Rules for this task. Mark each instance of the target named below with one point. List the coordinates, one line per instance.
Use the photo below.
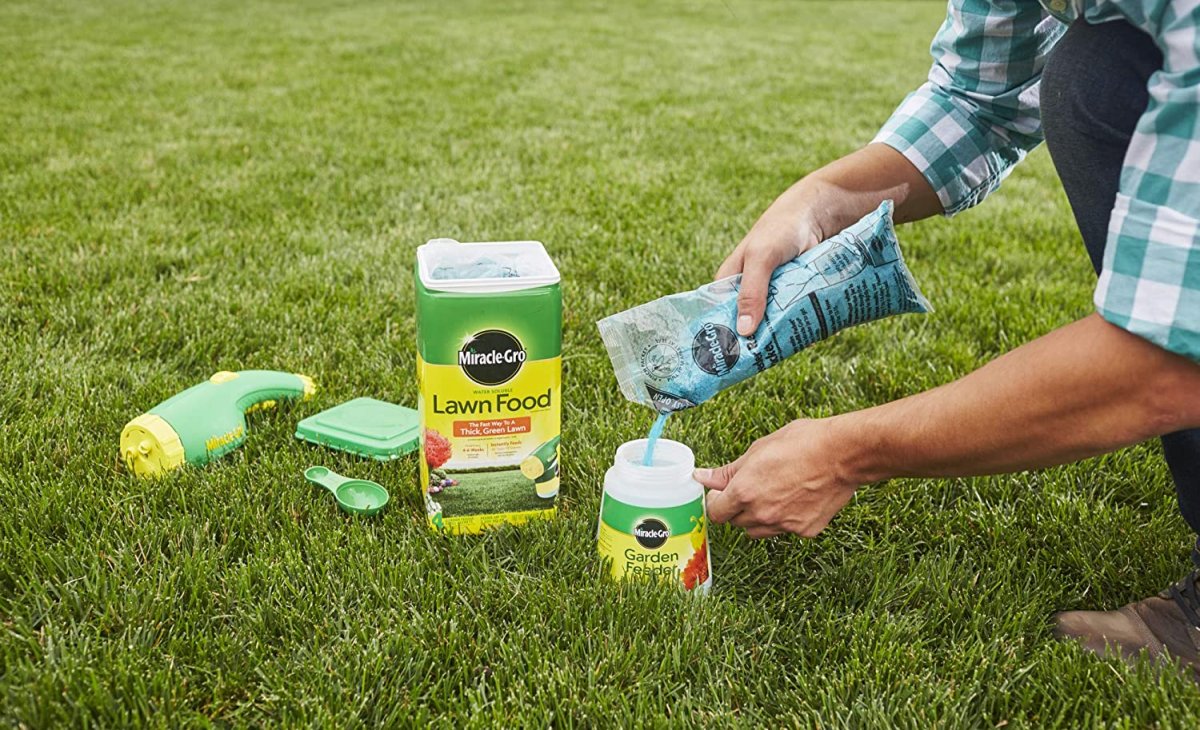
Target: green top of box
(364, 426)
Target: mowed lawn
(488, 492)
(190, 187)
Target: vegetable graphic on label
(698, 532)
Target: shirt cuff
(945, 142)
(1150, 283)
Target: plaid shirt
(977, 116)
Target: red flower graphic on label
(696, 571)
(437, 449)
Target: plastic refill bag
(678, 351)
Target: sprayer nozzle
(149, 446)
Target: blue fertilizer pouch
(678, 351)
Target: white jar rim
(673, 462)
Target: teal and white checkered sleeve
(977, 115)
(1150, 283)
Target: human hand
(784, 231)
(789, 481)
(817, 207)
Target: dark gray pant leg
(1093, 91)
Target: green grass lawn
(490, 492)
(189, 187)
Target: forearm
(1082, 390)
(843, 191)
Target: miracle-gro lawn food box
(489, 372)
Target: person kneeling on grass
(1114, 85)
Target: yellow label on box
(490, 450)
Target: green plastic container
(366, 427)
(489, 372)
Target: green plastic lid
(366, 427)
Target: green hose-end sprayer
(206, 421)
(540, 459)
(542, 467)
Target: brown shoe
(1166, 627)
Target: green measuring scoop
(355, 496)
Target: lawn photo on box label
(489, 492)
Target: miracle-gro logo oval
(651, 533)
(491, 357)
(715, 349)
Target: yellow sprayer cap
(149, 446)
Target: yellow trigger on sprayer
(206, 421)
